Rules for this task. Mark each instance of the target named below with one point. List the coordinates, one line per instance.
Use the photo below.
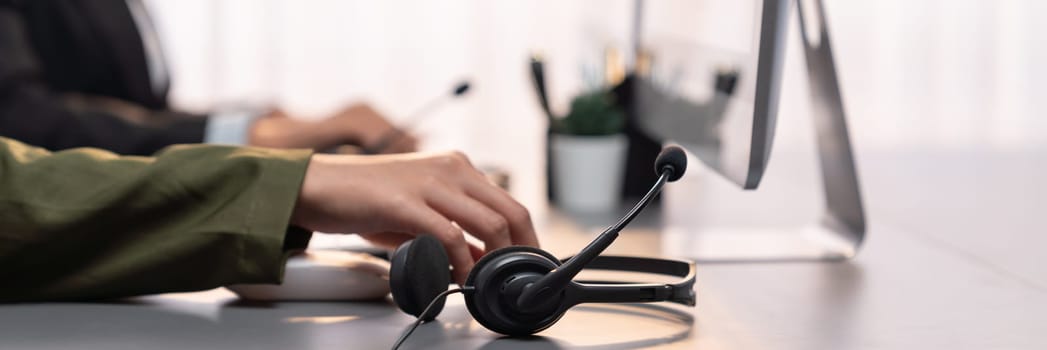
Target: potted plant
(588, 153)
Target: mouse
(324, 275)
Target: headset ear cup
(419, 271)
(486, 259)
(489, 278)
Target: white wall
(944, 73)
(928, 74)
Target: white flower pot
(588, 171)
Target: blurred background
(926, 75)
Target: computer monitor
(731, 128)
(728, 124)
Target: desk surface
(958, 284)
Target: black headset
(522, 290)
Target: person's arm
(86, 224)
(89, 224)
(32, 112)
(358, 125)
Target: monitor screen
(708, 77)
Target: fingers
(476, 251)
(475, 217)
(521, 229)
(429, 221)
(476, 185)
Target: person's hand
(389, 199)
(358, 125)
(372, 132)
(278, 130)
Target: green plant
(592, 114)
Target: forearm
(32, 114)
(86, 224)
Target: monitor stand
(841, 229)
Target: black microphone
(462, 88)
(673, 160)
(427, 109)
(670, 166)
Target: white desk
(955, 260)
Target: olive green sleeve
(88, 224)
